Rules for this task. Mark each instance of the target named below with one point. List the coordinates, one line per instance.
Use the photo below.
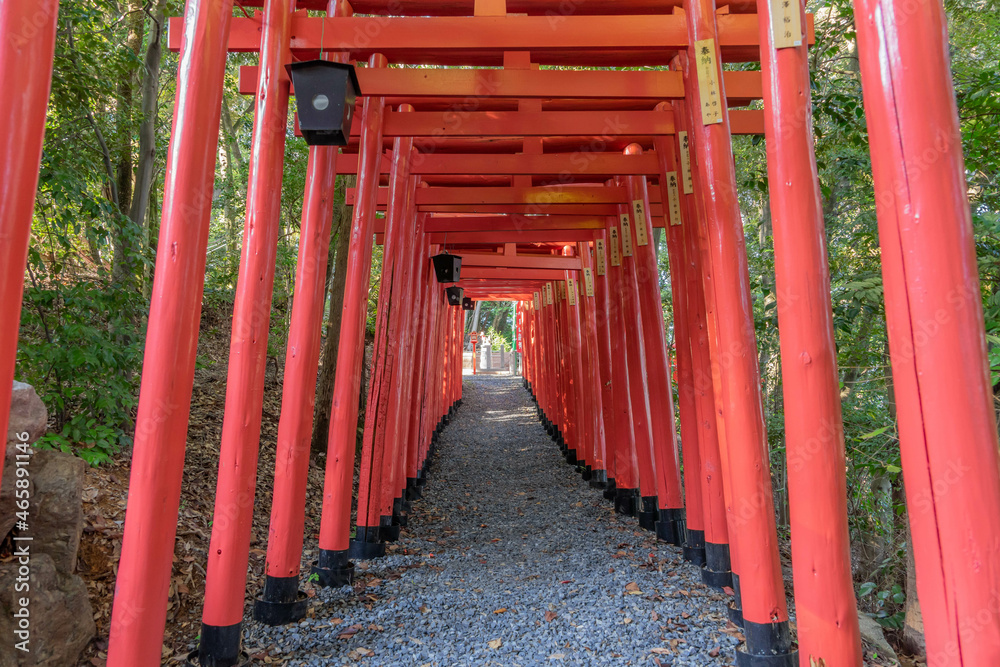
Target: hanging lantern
(325, 93)
(468, 304)
(447, 267)
(454, 295)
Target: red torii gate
(539, 178)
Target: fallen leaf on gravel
(374, 582)
(336, 621)
(661, 651)
(500, 610)
(550, 616)
(364, 651)
(568, 581)
(349, 632)
(728, 591)
(654, 617)
(557, 656)
(685, 615)
(631, 586)
(714, 653)
(627, 620)
(494, 644)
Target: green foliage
(80, 348)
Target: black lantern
(325, 93)
(468, 304)
(454, 295)
(447, 267)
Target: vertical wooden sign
(548, 294)
(537, 301)
(673, 199)
(626, 236)
(616, 258)
(786, 23)
(639, 213)
(688, 183)
(570, 287)
(712, 107)
(588, 281)
(600, 257)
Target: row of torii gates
(550, 184)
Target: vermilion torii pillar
(334, 567)
(374, 522)
(765, 612)
(626, 488)
(229, 548)
(826, 609)
(707, 367)
(592, 378)
(610, 435)
(670, 509)
(280, 601)
(635, 356)
(27, 45)
(140, 607)
(933, 303)
(694, 519)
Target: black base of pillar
(598, 479)
(367, 543)
(413, 491)
(281, 602)
(734, 608)
(587, 474)
(716, 571)
(735, 615)
(333, 569)
(768, 645)
(670, 526)
(648, 513)
(610, 489)
(219, 645)
(694, 547)
(571, 456)
(627, 501)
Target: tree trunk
(147, 126)
(328, 358)
(232, 164)
(913, 625)
(125, 234)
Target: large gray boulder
(27, 414)
(61, 618)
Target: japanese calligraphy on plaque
(570, 287)
(616, 258)
(626, 235)
(712, 106)
(588, 281)
(639, 213)
(673, 199)
(537, 301)
(786, 23)
(548, 294)
(686, 162)
(600, 258)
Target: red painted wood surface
(25, 76)
(335, 525)
(826, 609)
(139, 614)
(763, 593)
(947, 427)
(229, 548)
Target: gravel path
(510, 559)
